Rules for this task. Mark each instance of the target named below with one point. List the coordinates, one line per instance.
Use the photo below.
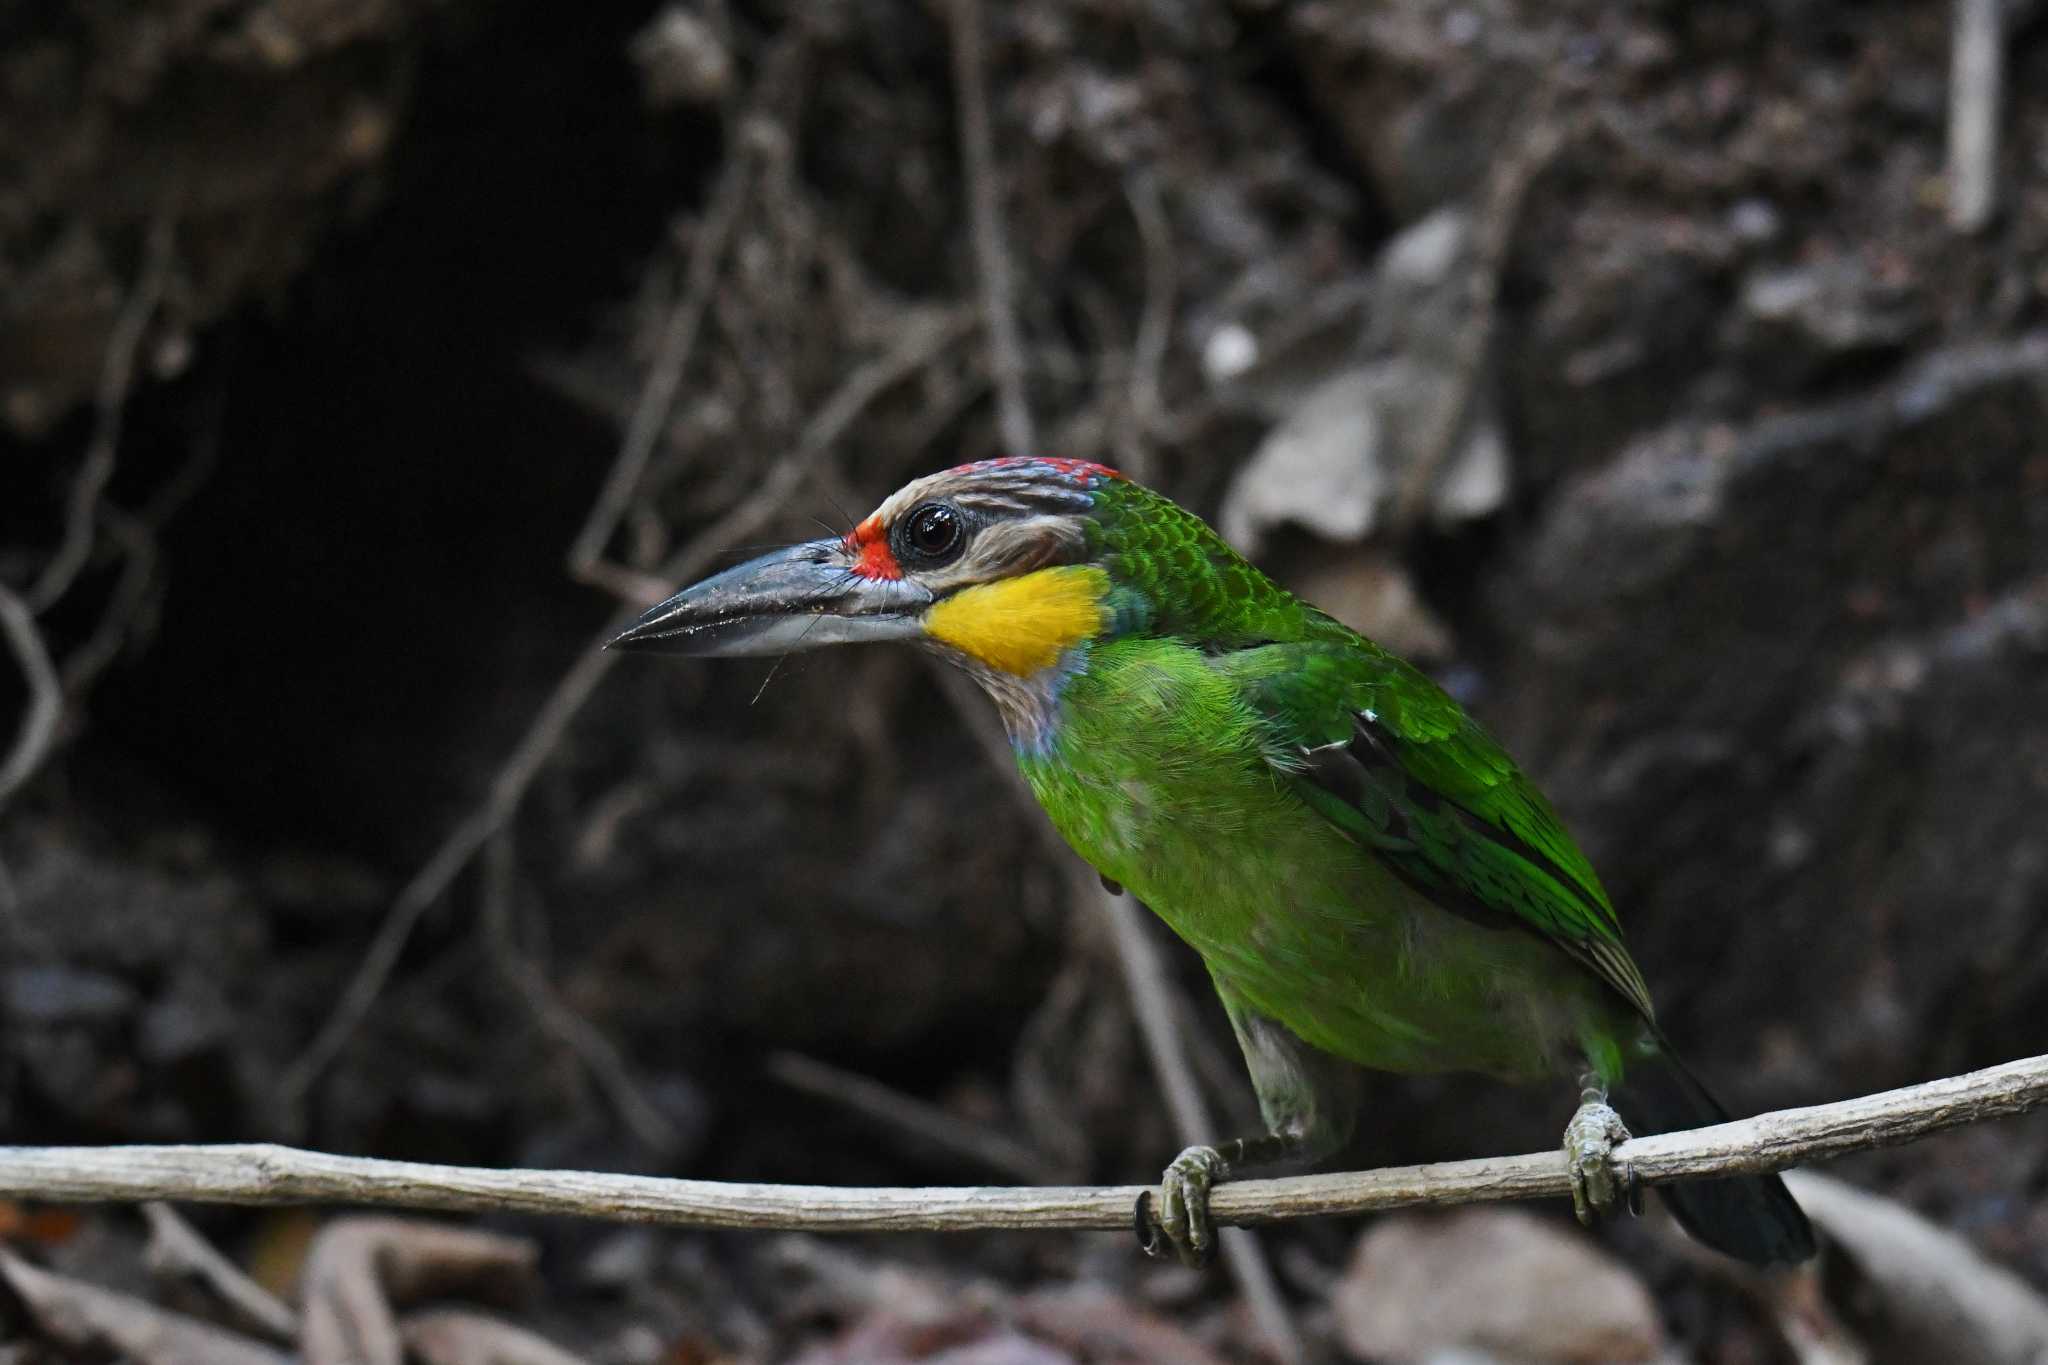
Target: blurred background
(1669, 379)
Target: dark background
(1762, 600)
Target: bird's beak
(804, 597)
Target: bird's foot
(1182, 1211)
(1589, 1143)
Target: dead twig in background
(38, 729)
(908, 1114)
(656, 401)
(1155, 324)
(85, 1317)
(1013, 420)
(1154, 1000)
(137, 543)
(1975, 95)
(588, 1043)
(991, 259)
(664, 378)
(359, 1269)
(457, 1336)
(176, 1251)
(921, 337)
(266, 1174)
(110, 402)
(1500, 210)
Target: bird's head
(1009, 568)
(1000, 564)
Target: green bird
(1367, 876)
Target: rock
(1794, 319)
(1375, 594)
(1501, 1281)
(290, 125)
(1335, 465)
(1355, 412)
(1774, 673)
(1423, 94)
(1924, 1291)
(120, 970)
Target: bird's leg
(1589, 1143)
(1308, 1099)
(1182, 1218)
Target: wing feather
(1388, 757)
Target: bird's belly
(1312, 930)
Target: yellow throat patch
(1020, 625)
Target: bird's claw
(1179, 1218)
(1589, 1143)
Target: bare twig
(457, 1336)
(177, 1251)
(1155, 322)
(1153, 1000)
(45, 694)
(117, 376)
(922, 337)
(1500, 209)
(1976, 75)
(359, 1269)
(87, 1318)
(908, 1114)
(137, 543)
(991, 259)
(265, 1174)
(665, 375)
(597, 1053)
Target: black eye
(931, 534)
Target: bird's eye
(931, 534)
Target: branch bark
(260, 1173)
(1975, 94)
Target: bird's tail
(1750, 1217)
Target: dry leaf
(1496, 1280)
(359, 1268)
(84, 1317)
(455, 1336)
(1936, 1296)
(176, 1252)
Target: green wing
(1387, 756)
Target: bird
(1369, 879)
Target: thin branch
(665, 375)
(137, 544)
(110, 401)
(1155, 322)
(1153, 1003)
(1153, 1000)
(177, 1251)
(45, 694)
(907, 1114)
(600, 1057)
(1976, 72)
(1500, 209)
(922, 337)
(265, 1174)
(991, 259)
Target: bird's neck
(1031, 704)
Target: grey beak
(805, 597)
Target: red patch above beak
(869, 544)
